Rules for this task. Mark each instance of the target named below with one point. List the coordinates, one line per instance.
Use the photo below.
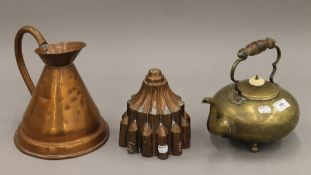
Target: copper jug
(254, 110)
(155, 122)
(61, 120)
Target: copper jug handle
(19, 54)
(252, 49)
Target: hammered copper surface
(61, 120)
(253, 113)
(155, 122)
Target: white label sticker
(281, 105)
(163, 149)
(264, 109)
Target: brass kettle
(61, 120)
(253, 110)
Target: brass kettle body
(61, 120)
(254, 110)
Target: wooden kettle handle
(19, 54)
(257, 47)
(252, 49)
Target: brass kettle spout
(217, 125)
(209, 100)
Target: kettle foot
(254, 147)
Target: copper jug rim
(60, 54)
(60, 47)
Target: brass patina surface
(248, 111)
(61, 120)
(267, 91)
(157, 113)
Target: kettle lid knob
(256, 81)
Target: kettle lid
(257, 88)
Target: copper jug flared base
(62, 150)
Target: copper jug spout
(61, 120)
